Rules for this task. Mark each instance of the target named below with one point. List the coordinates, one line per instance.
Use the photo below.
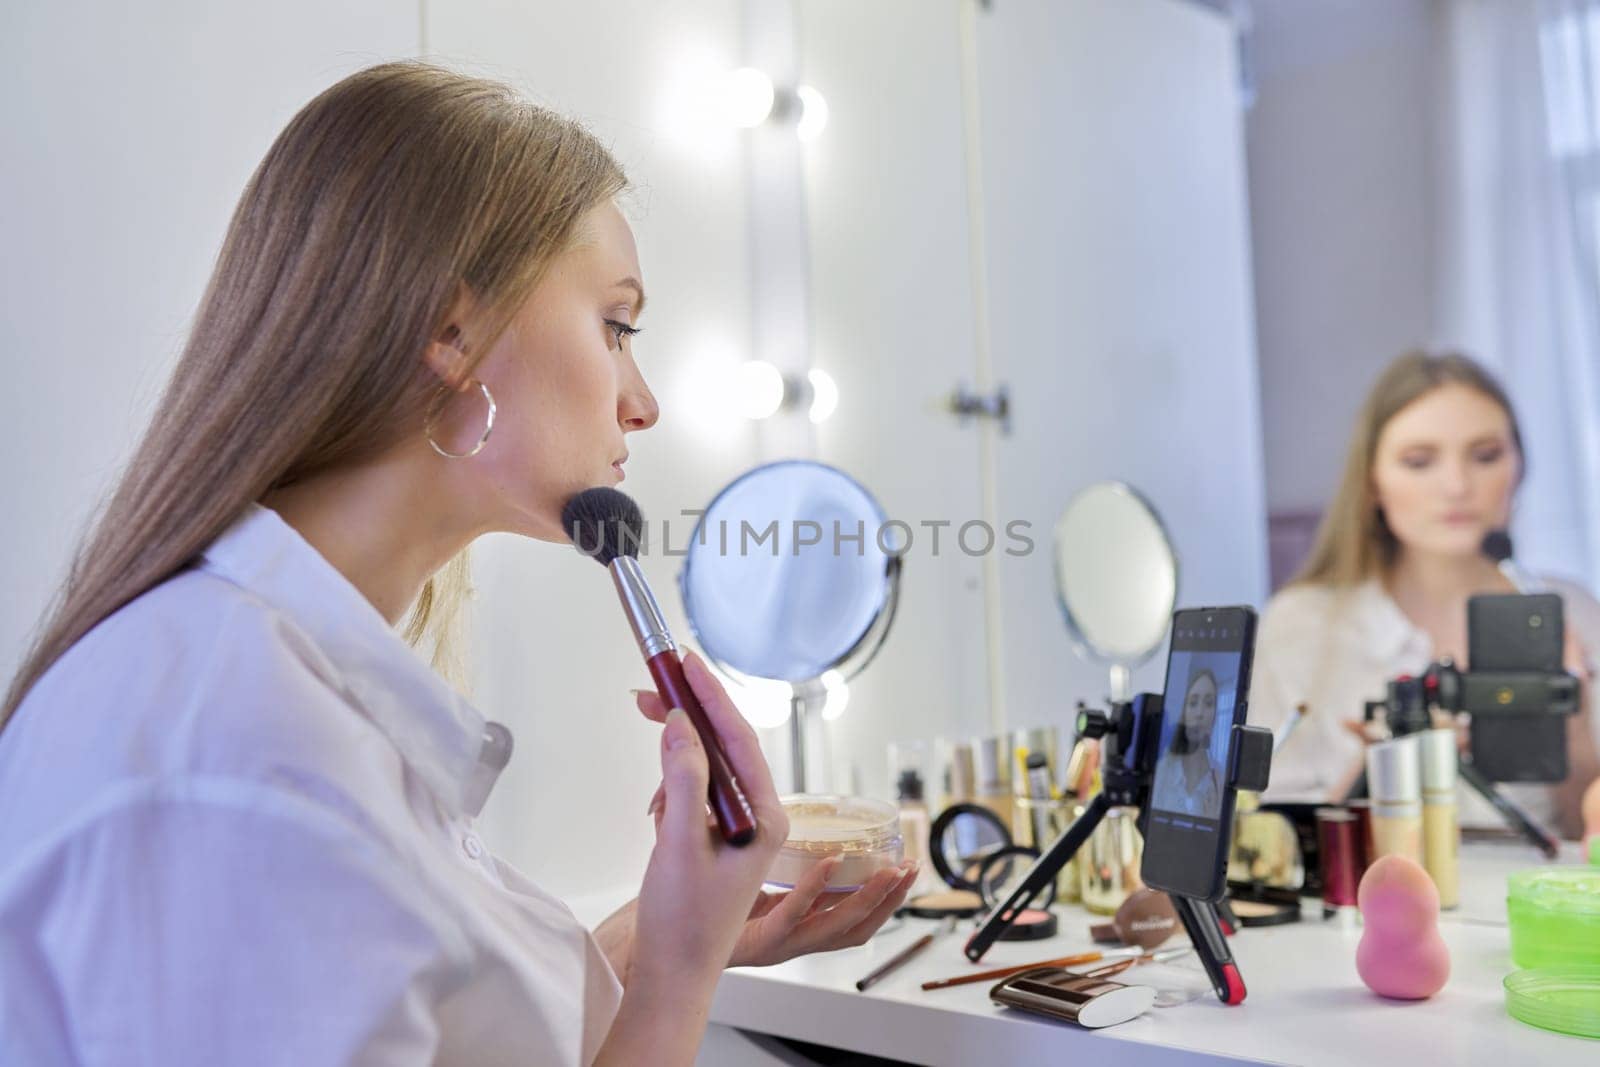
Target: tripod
(1131, 731)
(1406, 712)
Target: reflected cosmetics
(1340, 849)
(1441, 826)
(1394, 780)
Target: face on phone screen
(1190, 802)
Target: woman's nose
(636, 407)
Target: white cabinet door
(1116, 238)
(1112, 262)
(892, 322)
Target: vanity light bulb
(824, 395)
(813, 113)
(766, 704)
(759, 390)
(838, 695)
(748, 97)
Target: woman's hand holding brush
(777, 927)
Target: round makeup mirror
(792, 575)
(962, 838)
(1116, 578)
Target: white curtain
(1517, 246)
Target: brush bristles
(604, 524)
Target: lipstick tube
(728, 803)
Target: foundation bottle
(1394, 782)
(1441, 826)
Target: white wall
(128, 132)
(1340, 164)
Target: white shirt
(1333, 650)
(236, 827)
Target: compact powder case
(997, 879)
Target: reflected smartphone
(1190, 814)
(1521, 633)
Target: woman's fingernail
(679, 731)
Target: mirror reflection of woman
(237, 810)
(1433, 467)
(1189, 783)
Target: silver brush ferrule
(644, 614)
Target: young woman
(1433, 467)
(236, 809)
(1190, 783)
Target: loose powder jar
(865, 834)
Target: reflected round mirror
(1116, 576)
(963, 837)
(787, 576)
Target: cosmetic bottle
(913, 817)
(1394, 780)
(1441, 826)
(993, 755)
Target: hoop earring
(437, 408)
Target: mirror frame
(1080, 640)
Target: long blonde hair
(382, 200)
(1353, 541)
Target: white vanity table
(1305, 1005)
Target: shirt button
(472, 846)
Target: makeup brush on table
(607, 526)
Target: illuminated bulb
(747, 97)
(813, 113)
(838, 695)
(766, 704)
(824, 395)
(759, 390)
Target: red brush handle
(734, 817)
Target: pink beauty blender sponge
(1401, 954)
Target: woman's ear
(447, 358)
(446, 354)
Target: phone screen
(1191, 805)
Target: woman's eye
(1416, 462)
(621, 330)
(1489, 455)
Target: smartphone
(1521, 634)
(1190, 814)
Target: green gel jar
(1554, 914)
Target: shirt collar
(457, 752)
(1389, 633)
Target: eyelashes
(621, 330)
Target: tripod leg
(1200, 919)
(1042, 874)
(1514, 816)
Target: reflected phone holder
(1505, 698)
(1130, 732)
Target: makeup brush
(607, 526)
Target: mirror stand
(805, 707)
(1121, 683)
